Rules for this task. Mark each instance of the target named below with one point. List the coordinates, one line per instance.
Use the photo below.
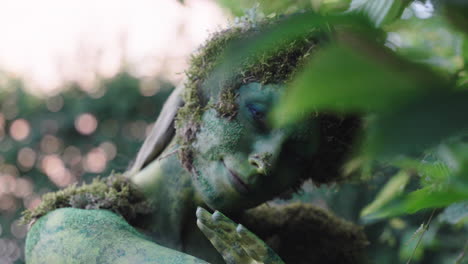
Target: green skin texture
(243, 147)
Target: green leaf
(356, 76)
(286, 30)
(422, 123)
(455, 11)
(428, 198)
(233, 6)
(454, 214)
(431, 172)
(421, 199)
(331, 6)
(380, 11)
(392, 189)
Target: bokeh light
(54, 104)
(2, 126)
(20, 129)
(138, 130)
(95, 160)
(7, 184)
(32, 201)
(110, 149)
(50, 144)
(55, 169)
(23, 188)
(18, 230)
(10, 251)
(59, 121)
(72, 155)
(86, 123)
(26, 158)
(8, 203)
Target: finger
(256, 248)
(218, 243)
(223, 222)
(203, 215)
(232, 253)
(216, 221)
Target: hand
(234, 242)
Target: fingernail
(240, 229)
(216, 216)
(202, 213)
(199, 212)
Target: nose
(261, 162)
(265, 152)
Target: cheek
(218, 136)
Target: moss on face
(114, 193)
(275, 67)
(227, 106)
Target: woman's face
(241, 162)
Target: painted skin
(238, 164)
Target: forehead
(258, 91)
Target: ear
(162, 132)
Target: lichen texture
(114, 193)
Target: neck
(169, 187)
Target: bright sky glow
(49, 41)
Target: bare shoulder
(70, 235)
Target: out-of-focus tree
(71, 137)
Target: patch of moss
(272, 67)
(227, 106)
(114, 193)
(302, 233)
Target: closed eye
(258, 114)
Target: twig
(420, 238)
(462, 254)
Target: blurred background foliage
(71, 137)
(399, 64)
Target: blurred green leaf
(342, 79)
(431, 41)
(422, 123)
(431, 172)
(421, 199)
(285, 30)
(392, 189)
(455, 213)
(429, 198)
(456, 11)
(233, 6)
(238, 7)
(380, 11)
(331, 6)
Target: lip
(236, 181)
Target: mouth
(236, 181)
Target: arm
(71, 235)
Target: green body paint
(71, 235)
(229, 159)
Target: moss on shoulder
(114, 193)
(302, 233)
